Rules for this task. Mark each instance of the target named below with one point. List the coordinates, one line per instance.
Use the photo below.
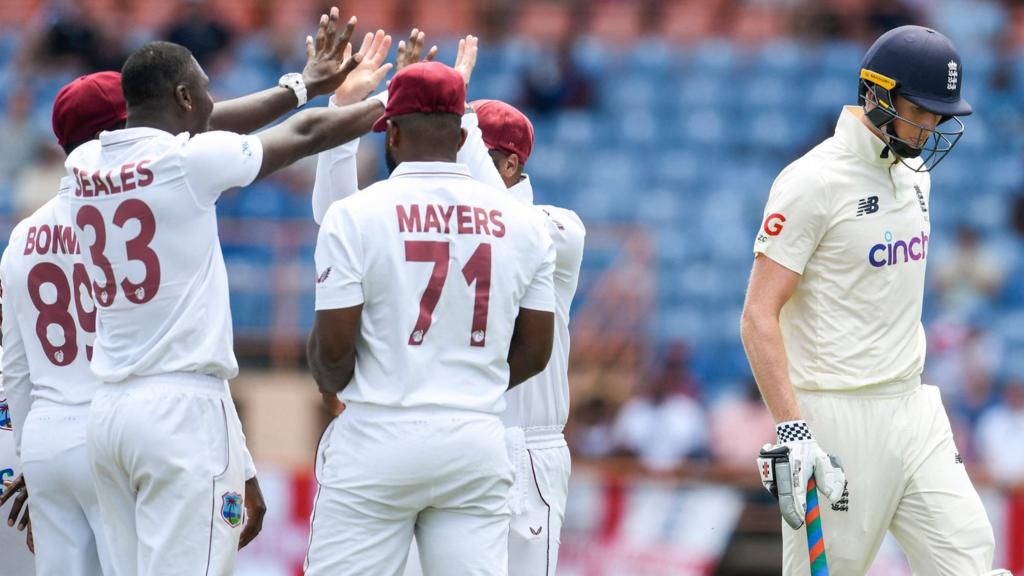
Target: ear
(183, 96)
(512, 164)
(393, 134)
(462, 140)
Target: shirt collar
(859, 139)
(431, 169)
(522, 190)
(126, 134)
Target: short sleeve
(217, 161)
(339, 260)
(475, 156)
(796, 218)
(540, 293)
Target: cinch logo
(773, 224)
(892, 253)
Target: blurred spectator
(590, 429)
(740, 425)
(884, 15)
(40, 181)
(662, 426)
(553, 82)
(198, 30)
(20, 138)
(969, 276)
(71, 39)
(1001, 435)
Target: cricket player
(538, 409)
(434, 296)
(832, 326)
(499, 140)
(50, 341)
(172, 472)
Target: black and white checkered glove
(786, 467)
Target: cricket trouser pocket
(66, 524)
(169, 458)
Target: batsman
(832, 327)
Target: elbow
(537, 361)
(752, 323)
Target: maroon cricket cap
(424, 87)
(504, 128)
(88, 105)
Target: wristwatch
(293, 81)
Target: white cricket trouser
(540, 494)
(904, 474)
(15, 559)
(386, 473)
(66, 525)
(169, 455)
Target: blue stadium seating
(683, 142)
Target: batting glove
(786, 467)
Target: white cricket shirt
(49, 319)
(855, 226)
(441, 264)
(542, 402)
(142, 201)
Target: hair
(152, 72)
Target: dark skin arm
(530, 350)
(312, 131)
(255, 509)
(323, 73)
(331, 350)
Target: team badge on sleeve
(231, 508)
(772, 226)
(5, 415)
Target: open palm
(370, 72)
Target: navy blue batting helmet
(922, 66)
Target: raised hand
(328, 57)
(370, 72)
(411, 51)
(465, 59)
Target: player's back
(48, 293)
(543, 401)
(441, 264)
(143, 203)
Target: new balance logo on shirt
(867, 205)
